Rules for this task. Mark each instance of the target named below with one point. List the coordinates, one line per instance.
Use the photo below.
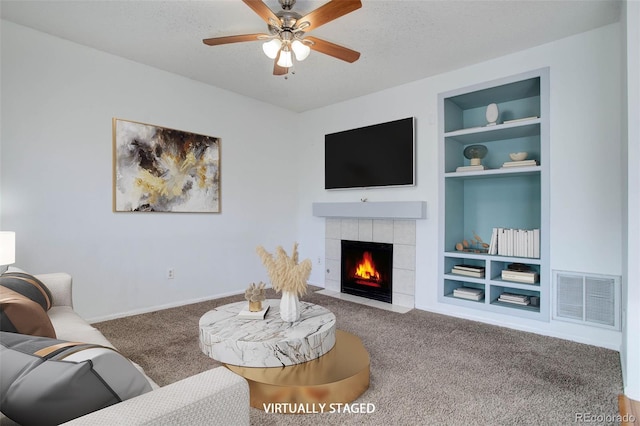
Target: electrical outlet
(319, 261)
(171, 273)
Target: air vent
(586, 298)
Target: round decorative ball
(492, 113)
(518, 156)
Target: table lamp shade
(7, 247)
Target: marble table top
(270, 342)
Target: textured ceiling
(400, 41)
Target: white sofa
(214, 397)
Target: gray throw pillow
(47, 381)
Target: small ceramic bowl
(518, 156)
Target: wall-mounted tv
(372, 156)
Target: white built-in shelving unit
(478, 201)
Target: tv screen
(372, 156)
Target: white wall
(58, 99)
(630, 353)
(586, 189)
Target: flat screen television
(372, 156)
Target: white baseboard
(160, 307)
(520, 327)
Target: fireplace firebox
(367, 269)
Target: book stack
(522, 163)
(247, 314)
(528, 277)
(515, 242)
(471, 168)
(515, 299)
(468, 293)
(468, 270)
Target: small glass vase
(289, 307)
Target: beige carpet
(425, 368)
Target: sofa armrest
(216, 396)
(60, 286)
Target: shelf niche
(473, 203)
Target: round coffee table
(339, 377)
(270, 342)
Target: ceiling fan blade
(262, 10)
(333, 49)
(277, 69)
(329, 11)
(231, 39)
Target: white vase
(289, 307)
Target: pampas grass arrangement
(285, 272)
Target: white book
(512, 242)
(470, 168)
(511, 299)
(536, 243)
(520, 278)
(533, 117)
(247, 314)
(468, 290)
(519, 273)
(502, 242)
(493, 246)
(505, 249)
(522, 163)
(515, 302)
(476, 274)
(471, 268)
(468, 296)
(468, 293)
(513, 296)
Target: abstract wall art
(156, 169)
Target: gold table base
(339, 376)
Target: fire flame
(366, 268)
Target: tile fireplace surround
(380, 222)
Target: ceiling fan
(287, 32)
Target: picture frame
(158, 169)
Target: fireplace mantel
(373, 210)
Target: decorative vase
(289, 307)
(475, 154)
(255, 306)
(492, 114)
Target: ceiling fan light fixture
(300, 49)
(272, 47)
(287, 29)
(285, 59)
